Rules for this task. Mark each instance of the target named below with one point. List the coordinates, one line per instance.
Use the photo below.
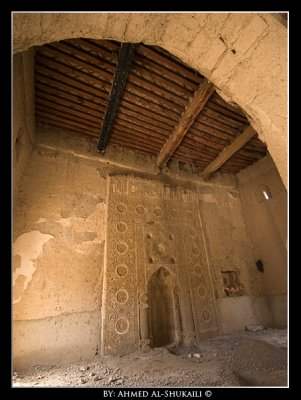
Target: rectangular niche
(232, 285)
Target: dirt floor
(241, 359)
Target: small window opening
(259, 265)
(262, 193)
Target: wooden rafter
(126, 55)
(196, 104)
(74, 83)
(228, 151)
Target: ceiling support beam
(228, 151)
(126, 56)
(197, 102)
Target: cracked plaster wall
(243, 54)
(59, 230)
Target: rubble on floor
(246, 358)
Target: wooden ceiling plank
(68, 99)
(205, 155)
(159, 85)
(170, 77)
(208, 112)
(167, 62)
(225, 111)
(59, 106)
(131, 136)
(152, 122)
(138, 129)
(55, 48)
(195, 155)
(63, 114)
(196, 104)
(76, 91)
(66, 127)
(97, 60)
(73, 72)
(52, 73)
(239, 142)
(153, 87)
(49, 115)
(163, 134)
(107, 44)
(164, 121)
(157, 108)
(219, 100)
(100, 69)
(207, 129)
(100, 51)
(149, 89)
(148, 92)
(216, 143)
(126, 56)
(209, 147)
(70, 102)
(199, 163)
(132, 146)
(256, 142)
(218, 126)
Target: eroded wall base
(235, 313)
(56, 340)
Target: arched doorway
(163, 318)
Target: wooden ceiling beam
(219, 144)
(194, 107)
(228, 151)
(126, 56)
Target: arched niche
(164, 314)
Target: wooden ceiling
(148, 101)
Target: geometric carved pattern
(153, 227)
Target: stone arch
(164, 311)
(243, 54)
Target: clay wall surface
(267, 224)
(23, 132)
(70, 242)
(59, 231)
(243, 54)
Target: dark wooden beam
(197, 102)
(126, 56)
(228, 151)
